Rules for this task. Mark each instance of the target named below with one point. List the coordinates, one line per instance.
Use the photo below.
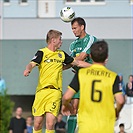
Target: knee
(50, 125)
(37, 126)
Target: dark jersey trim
(38, 57)
(116, 85)
(68, 59)
(75, 83)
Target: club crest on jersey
(60, 55)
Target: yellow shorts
(47, 100)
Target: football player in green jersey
(80, 50)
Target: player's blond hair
(52, 34)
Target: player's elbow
(65, 98)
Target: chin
(77, 35)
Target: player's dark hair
(80, 21)
(52, 34)
(121, 125)
(99, 51)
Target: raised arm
(81, 56)
(81, 63)
(70, 61)
(67, 66)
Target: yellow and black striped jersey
(50, 66)
(97, 86)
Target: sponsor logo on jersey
(53, 60)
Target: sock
(72, 123)
(49, 131)
(38, 131)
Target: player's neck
(51, 47)
(82, 35)
(102, 64)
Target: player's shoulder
(43, 49)
(74, 42)
(60, 50)
(113, 73)
(88, 36)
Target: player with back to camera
(99, 88)
(80, 49)
(48, 95)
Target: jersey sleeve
(86, 49)
(71, 49)
(74, 83)
(68, 59)
(38, 57)
(116, 85)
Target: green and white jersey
(82, 45)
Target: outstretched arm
(81, 56)
(67, 66)
(74, 62)
(28, 69)
(77, 63)
(81, 63)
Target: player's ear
(105, 62)
(82, 27)
(53, 40)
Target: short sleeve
(86, 49)
(116, 85)
(68, 59)
(38, 57)
(75, 82)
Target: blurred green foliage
(6, 109)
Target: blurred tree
(6, 108)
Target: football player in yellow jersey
(99, 88)
(48, 96)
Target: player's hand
(75, 103)
(67, 109)
(26, 73)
